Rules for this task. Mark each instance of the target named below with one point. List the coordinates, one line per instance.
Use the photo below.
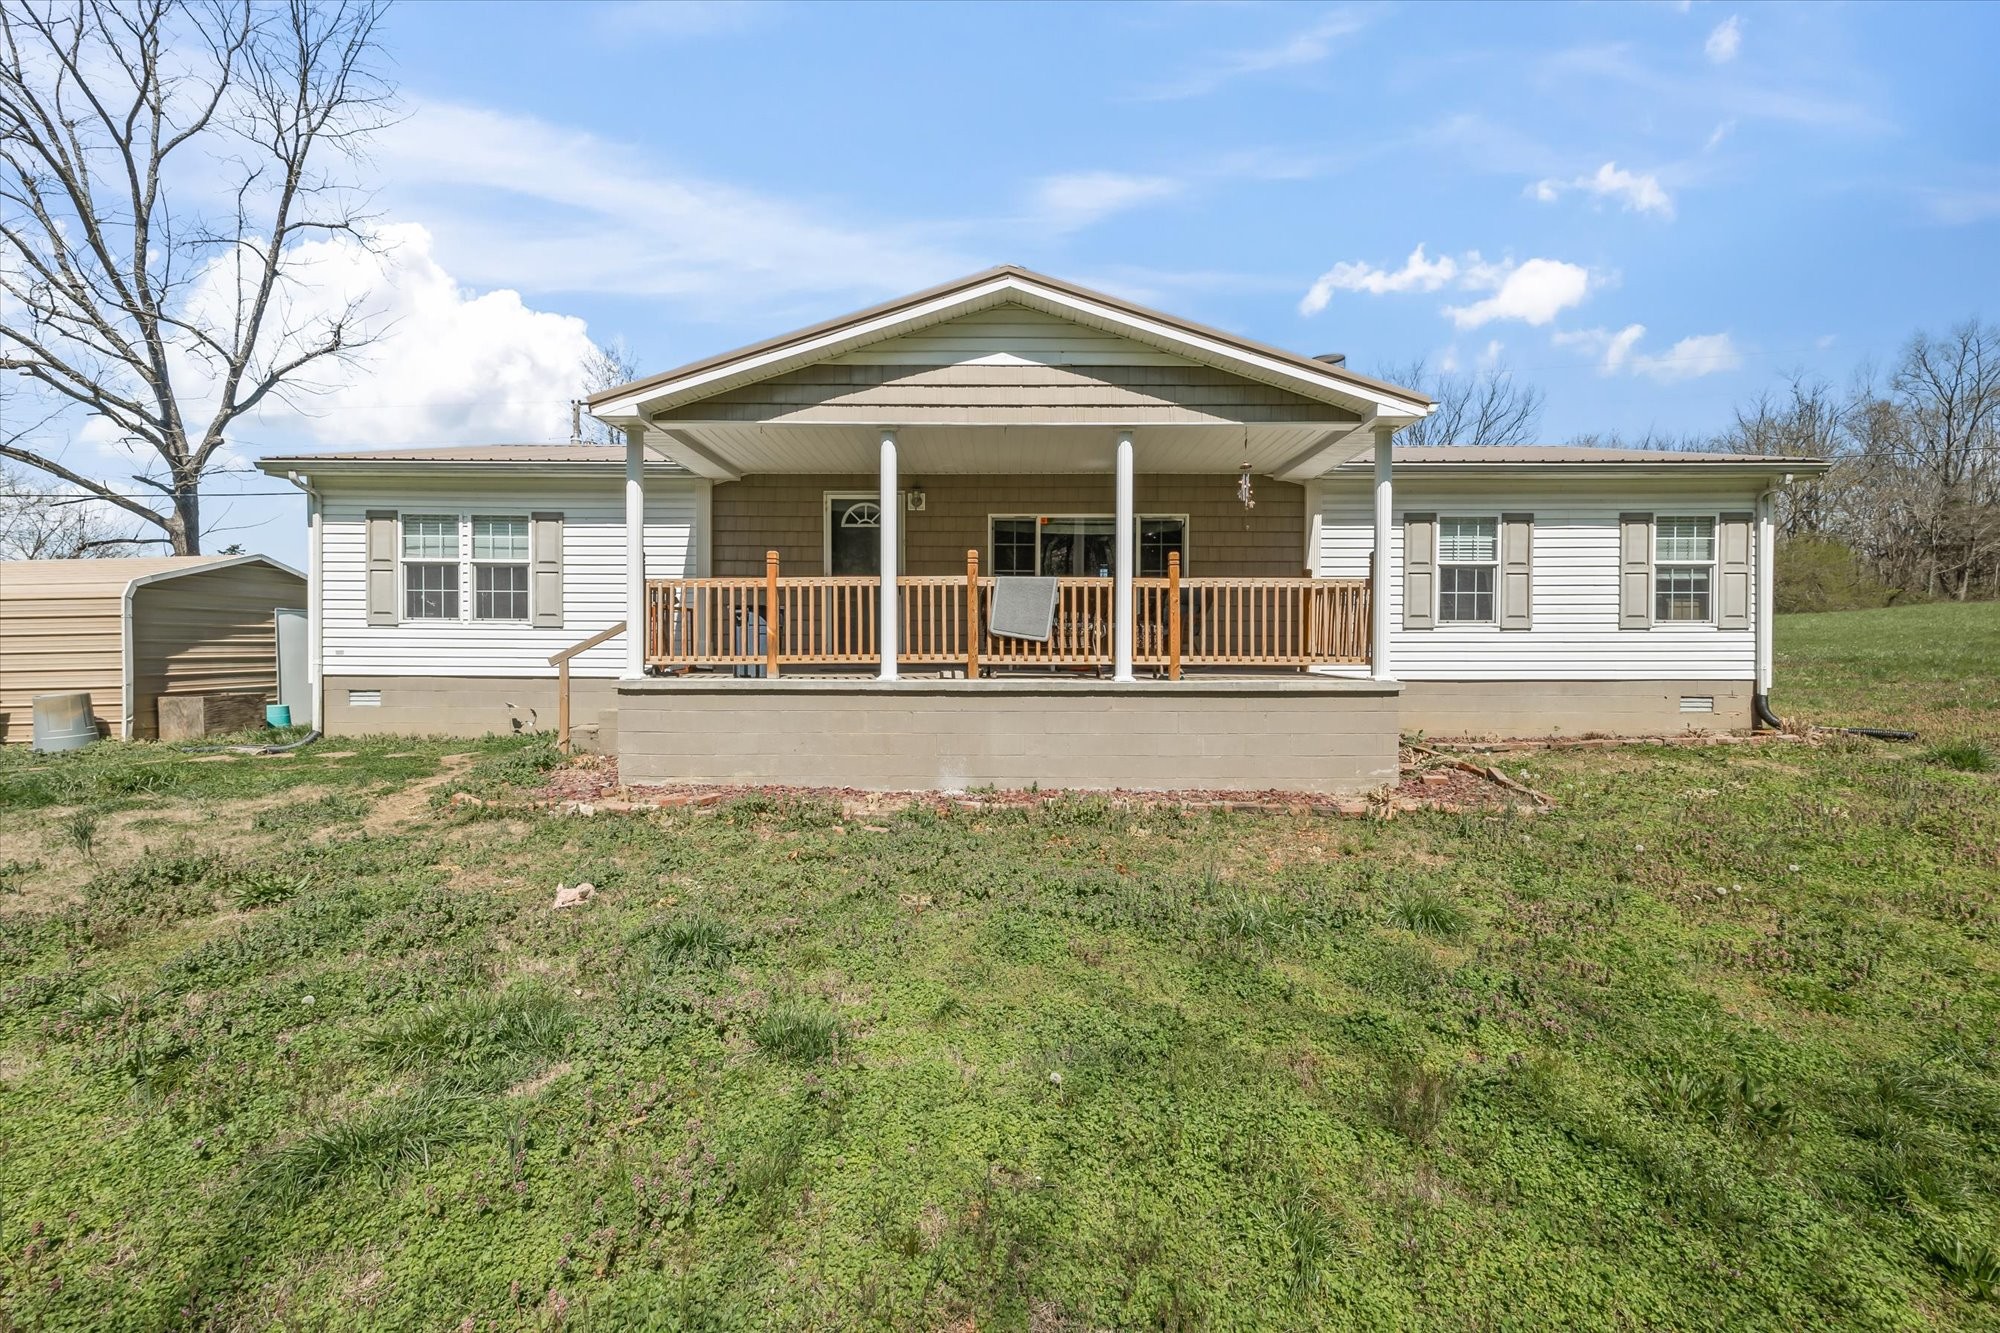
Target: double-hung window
(1468, 565)
(430, 567)
(1683, 568)
(499, 568)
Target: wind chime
(1246, 494)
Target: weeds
(266, 887)
(1967, 755)
(478, 1033)
(79, 830)
(376, 1144)
(797, 1031)
(1973, 1266)
(1309, 1237)
(1416, 1100)
(1427, 913)
(695, 937)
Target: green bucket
(277, 715)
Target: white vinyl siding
(1575, 634)
(593, 563)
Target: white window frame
(467, 567)
(826, 500)
(526, 564)
(1711, 565)
(404, 561)
(1187, 532)
(1437, 595)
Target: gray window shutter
(545, 548)
(1732, 571)
(1517, 559)
(382, 567)
(1635, 571)
(1420, 571)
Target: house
(1254, 587)
(132, 632)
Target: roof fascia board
(436, 467)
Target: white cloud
(1690, 358)
(1725, 41)
(1308, 46)
(449, 364)
(1534, 293)
(1618, 353)
(1489, 356)
(1075, 200)
(1636, 192)
(1417, 274)
(1718, 134)
(509, 196)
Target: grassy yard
(301, 1043)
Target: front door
(853, 535)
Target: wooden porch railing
(833, 621)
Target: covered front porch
(875, 487)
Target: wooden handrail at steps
(560, 661)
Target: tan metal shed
(129, 631)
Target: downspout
(1767, 559)
(315, 540)
(128, 700)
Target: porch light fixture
(913, 499)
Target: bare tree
(1804, 420)
(606, 367)
(160, 165)
(37, 523)
(1490, 407)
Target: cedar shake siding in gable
(785, 513)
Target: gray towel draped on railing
(1023, 608)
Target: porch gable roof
(641, 400)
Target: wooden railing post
(771, 614)
(972, 614)
(1173, 615)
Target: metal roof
(111, 577)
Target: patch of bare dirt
(590, 786)
(403, 805)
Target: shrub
(795, 1030)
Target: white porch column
(1378, 594)
(635, 552)
(886, 617)
(1121, 568)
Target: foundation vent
(373, 699)
(1697, 703)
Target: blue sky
(1652, 211)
